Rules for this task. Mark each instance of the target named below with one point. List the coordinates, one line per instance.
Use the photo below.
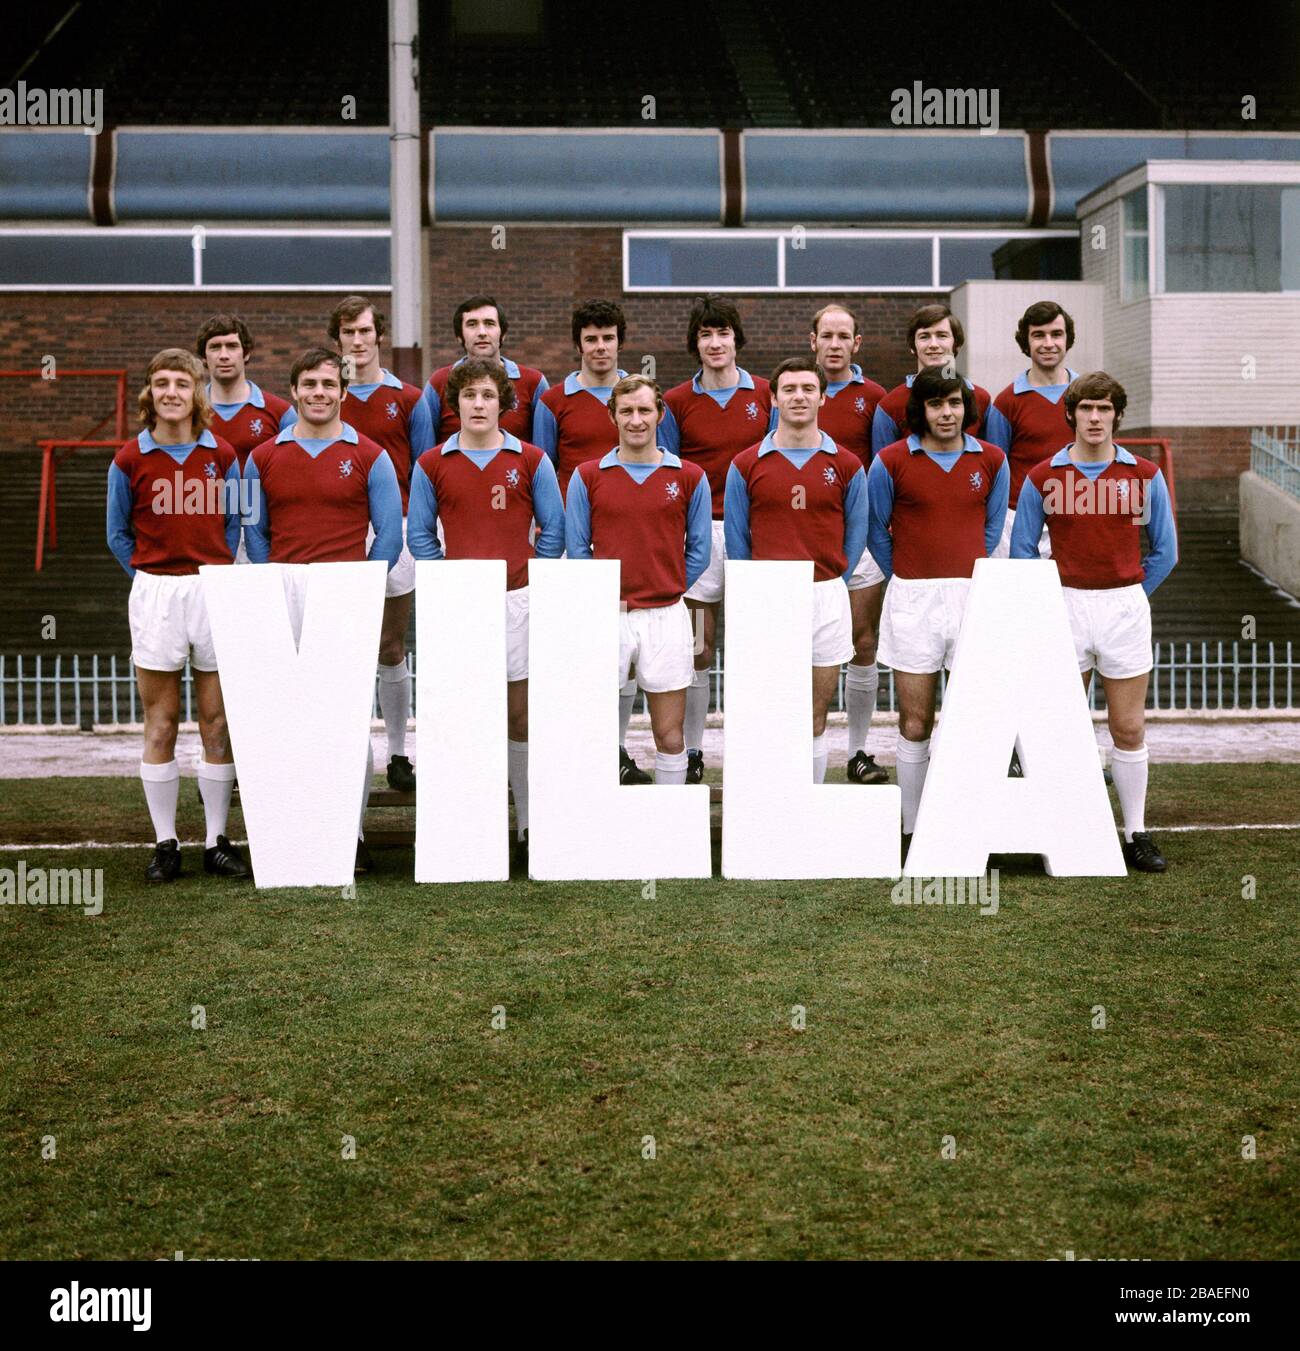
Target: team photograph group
(891, 495)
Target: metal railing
(1275, 456)
(88, 691)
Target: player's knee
(160, 730)
(669, 741)
(392, 651)
(864, 648)
(915, 726)
(1128, 734)
(215, 735)
(517, 726)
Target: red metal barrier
(47, 511)
(1165, 459)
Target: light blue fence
(89, 691)
(1275, 456)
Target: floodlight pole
(404, 189)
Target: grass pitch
(620, 1018)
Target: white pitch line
(194, 844)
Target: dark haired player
(1034, 402)
(572, 425)
(936, 502)
(934, 337)
(323, 492)
(242, 413)
(797, 495)
(176, 461)
(479, 325)
(711, 418)
(648, 508)
(393, 415)
(487, 487)
(1092, 495)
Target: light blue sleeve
(773, 420)
(257, 520)
(855, 520)
(385, 499)
(1162, 534)
(577, 520)
(548, 511)
(422, 517)
(420, 430)
(1030, 516)
(884, 432)
(121, 538)
(542, 386)
(735, 516)
(995, 509)
(288, 417)
(669, 435)
(434, 404)
(880, 507)
(699, 532)
(997, 429)
(232, 507)
(546, 431)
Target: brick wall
(540, 273)
(106, 329)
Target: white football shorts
(660, 643)
(1111, 630)
(169, 622)
(832, 623)
(920, 622)
(708, 585)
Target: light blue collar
(509, 366)
(349, 434)
(670, 461)
(572, 385)
(767, 444)
(147, 443)
(1062, 456)
(969, 443)
(1052, 393)
(452, 444)
(746, 381)
(255, 396)
(907, 380)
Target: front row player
(175, 462)
(797, 495)
(486, 487)
(314, 492)
(936, 501)
(1093, 495)
(642, 505)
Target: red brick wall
(541, 273)
(1204, 452)
(107, 329)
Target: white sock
(395, 704)
(215, 784)
(670, 768)
(517, 773)
(913, 761)
(365, 797)
(626, 698)
(1129, 770)
(162, 786)
(819, 758)
(697, 710)
(860, 686)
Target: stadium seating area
(735, 63)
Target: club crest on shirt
(828, 474)
(512, 477)
(751, 410)
(1121, 489)
(674, 491)
(977, 480)
(345, 469)
(391, 409)
(859, 404)
(210, 469)
(255, 426)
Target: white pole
(404, 188)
